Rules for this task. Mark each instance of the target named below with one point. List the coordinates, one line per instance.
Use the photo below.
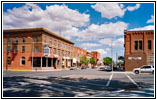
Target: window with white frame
(23, 61)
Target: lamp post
(32, 50)
(112, 55)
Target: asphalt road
(72, 83)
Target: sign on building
(46, 51)
(134, 58)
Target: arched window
(23, 61)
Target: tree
(84, 60)
(121, 58)
(107, 60)
(92, 61)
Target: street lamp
(32, 50)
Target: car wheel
(152, 72)
(136, 72)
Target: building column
(41, 62)
(46, 61)
(52, 62)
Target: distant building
(78, 52)
(139, 48)
(48, 50)
(96, 56)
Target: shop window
(9, 60)
(149, 44)
(136, 45)
(23, 61)
(140, 44)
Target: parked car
(83, 67)
(93, 67)
(101, 67)
(144, 69)
(108, 68)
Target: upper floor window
(136, 45)
(23, 39)
(9, 49)
(62, 45)
(140, 44)
(9, 61)
(15, 49)
(16, 39)
(36, 49)
(23, 48)
(149, 44)
(23, 61)
(9, 39)
(50, 41)
(55, 42)
(37, 39)
(58, 44)
(45, 39)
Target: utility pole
(112, 55)
(7, 54)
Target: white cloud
(101, 51)
(113, 10)
(55, 18)
(151, 20)
(94, 31)
(129, 8)
(118, 43)
(109, 10)
(149, 27)
(90, 45)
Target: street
(77, 83)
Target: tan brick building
(24, 44)
(139, 48)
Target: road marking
(108, 83)
(132, 80)
(104, 93)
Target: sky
(92, 26)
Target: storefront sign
(134, 58)
(46, 51)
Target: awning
(41, 55)
(51, 56)
(37, 55)
(74, 60)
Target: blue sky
(92, 26)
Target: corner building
(21, 47)
(139, 48)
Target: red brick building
(78, 52)
(139, 48)
(21, 45)
(96, 56)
